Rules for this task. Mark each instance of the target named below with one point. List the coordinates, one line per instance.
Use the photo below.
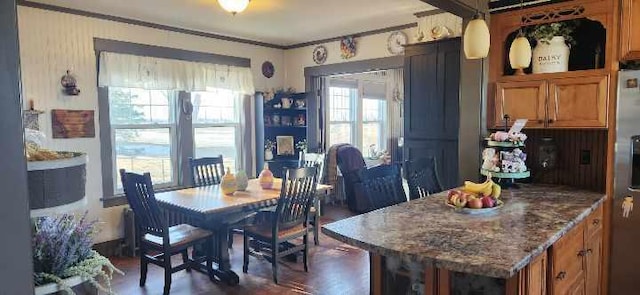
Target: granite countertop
(498, 244)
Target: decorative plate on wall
(348, 47)
(320, 54)
(396, 42)
(267, 69)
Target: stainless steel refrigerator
(625, 247)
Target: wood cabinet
(578, 102)
(431, 104)
(563, 102)
(630, 30)
(576, 259)
(524, 100)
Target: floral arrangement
(514, 137)
(545, 32)
(62, 249)
(301, 145)
(269, 144)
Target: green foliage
(545, 32)
(121, 111)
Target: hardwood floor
(334, 268)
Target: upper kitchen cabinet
(575, 94)
(526, 100)
(578, 102)
(630, 30)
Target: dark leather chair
(289, 221)
(156, 236)
(422, 178)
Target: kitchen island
(544, 240)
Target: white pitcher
(551, 57)
(286, 102)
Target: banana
(484, 188)
(496, 190)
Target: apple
(475, 203)
(452, 193)
(488, 202)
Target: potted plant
(554, 41)
(269, 145)
(63, 256)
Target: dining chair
(156, 236)
(288, 222)
(314, 160)
(209, 171)
(206, 171)
(422, 178)
(383, 186)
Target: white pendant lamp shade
(520, 53)
(476, 39)
(234, 6)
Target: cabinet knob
(596, 221)
(581, 253)
(550, 121)
(561, 275)
(589, 251)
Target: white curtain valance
(133, 71)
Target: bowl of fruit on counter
(476, 198)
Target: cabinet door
(630, 32)
(567, 261)
(578, 102)
(521, 100)
(593, 263)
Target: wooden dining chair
(383, 186)
(155, 235)
(288, 222)
(314, 160)
(422, 178)
(206, 171)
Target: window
(146, 135)
(357, 119)
(143, 132)
(216, 125)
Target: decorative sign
(284, 145)
(73, 124)
(348, 47)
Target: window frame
(357, 113)
(184, 149)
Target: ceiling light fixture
(476, 37)
(234, 6)
(520, 50)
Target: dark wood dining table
(209, 208)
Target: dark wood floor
(334, 268)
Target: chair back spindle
(313, 160)
(422, 178)
(296, 196)
(139, 192)
(206, 171)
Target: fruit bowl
(476, 198)
(471, 211)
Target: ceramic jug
(242, 181)
(551, 56)
(228, 183)
(266, 177)
(286, 102)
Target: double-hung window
(216, 125)
(357, 114)
(143, 133)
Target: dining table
(208, 207)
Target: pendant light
(476, 37)
(234, 6)
(520, 50)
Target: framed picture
(284, 145)
(73, 124)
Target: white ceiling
(281, 22)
